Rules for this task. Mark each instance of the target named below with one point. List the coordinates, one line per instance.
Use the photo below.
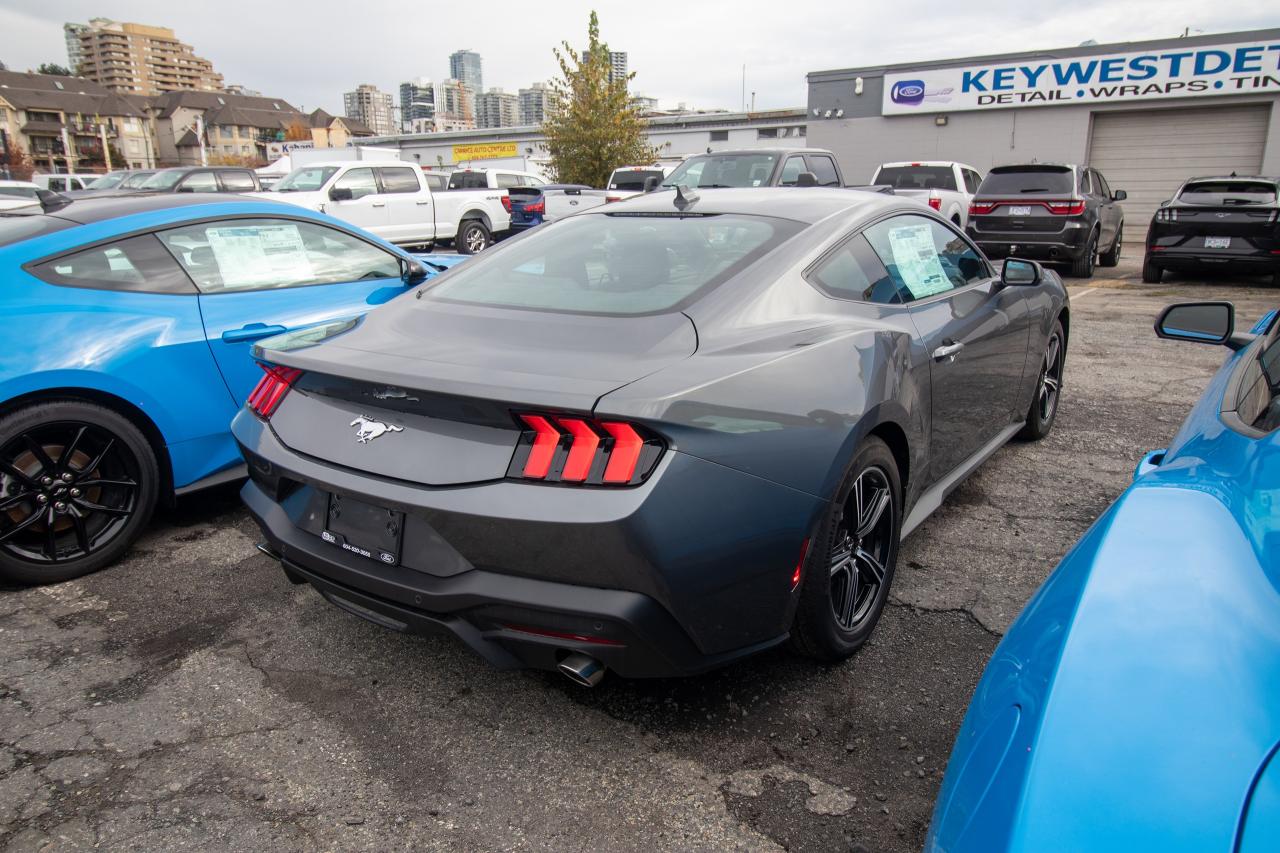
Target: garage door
(1149, 154)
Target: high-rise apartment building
(417, 102)
(456, 101)
(535, 103)
(496, 108)
(74, 54)
(465, 65)
(137, 59)
(372, 107)
(617, 65)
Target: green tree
(54, 68)
(592, 128)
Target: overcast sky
(310, 51)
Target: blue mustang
(1135, 703)
(127, 324)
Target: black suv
(1050, 212)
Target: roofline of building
(1054, 53)
(760, 118)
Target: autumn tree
(592, 127)
(296, 131)
(16, 163)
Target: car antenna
(51, 201)
(684, 200)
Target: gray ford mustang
(654, 437)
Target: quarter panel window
(237, 182)
(507, 181)
(139, 264)
(854, 271)
(359, 181)
(265, 254)
(825, 171)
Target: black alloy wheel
(847, 573)
(1082, 267)
(1111, 258)
(77, 482)
(1048, 390)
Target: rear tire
(1082, 267)
(1151, 273)
(78, 483)
(473, 237)
(849, 567)
(1048, 392)
(1112, 257)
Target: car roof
(748, 151)
(201, 169)
(340, 163)
(98, 207)
(904, 163)
(801, 204)
(1013, 167)
(1263, 178)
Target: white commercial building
(1148, 115)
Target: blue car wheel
(78, 482)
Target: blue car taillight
(583, 451)
(271, 388)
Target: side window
(1086, 181)
(1101, 183)
(238, 182)
(137, 264)
(359, 181)
(399, 180)
(57, 184)
(506, 181)
(924, 257)
(825, 170)
(791, 171)
(199, 182)
(854, 271)
(971, 181)
(263, 254)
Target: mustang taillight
(583, 451)
(271, 388)
(1167, 214)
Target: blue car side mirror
(1202, 323)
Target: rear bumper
(1064, 244)
(656, 580)
(1250, 260)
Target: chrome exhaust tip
(582, 669)
(265, 550)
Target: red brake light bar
(271, 388)
(1063, 207)
(935, 202)
(577, 450)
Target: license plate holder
(1020, 210)
(1217, 242)
(363, 529)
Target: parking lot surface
(191, 698)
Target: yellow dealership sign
(485, 151)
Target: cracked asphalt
(191, 698)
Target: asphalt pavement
(191, 698)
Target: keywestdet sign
(1230, 69)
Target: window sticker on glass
(916, 257)
(260, 255)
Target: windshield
(305, 180)
(1028, 179)
(917, 177)
(20, 192)
(633, 179)
(728, 170)
(1228, 192)
(136, 180)
(107, 181)
(616, 264)
(162, 180)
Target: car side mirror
(651, 183)
(341, 194)
(414, 272)
(1018, 272)
(1198, 322)
(1119, 195)
(806, 179)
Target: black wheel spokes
(66, 490)
(858, 557)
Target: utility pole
(106, 149)
(204, 156)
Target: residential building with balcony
(417, 102)
(496, 108)
(139, 59)
(535, 104)
(233, 128)
(372, 107)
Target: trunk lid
(450, 376)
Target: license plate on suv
(1217, 242)
(363, 529)
(1020, 210)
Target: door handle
(379, 204)
(947, 352)
(251, 332)
(423, 202)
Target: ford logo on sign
(908, 92)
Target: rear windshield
(468, 181)
(917, 177)
(1228, 192)
(14, 228)
(729, 170)
(633, 179)
(616, 264)
(1028, 179)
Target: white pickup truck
(393, 200)
(945, 186)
